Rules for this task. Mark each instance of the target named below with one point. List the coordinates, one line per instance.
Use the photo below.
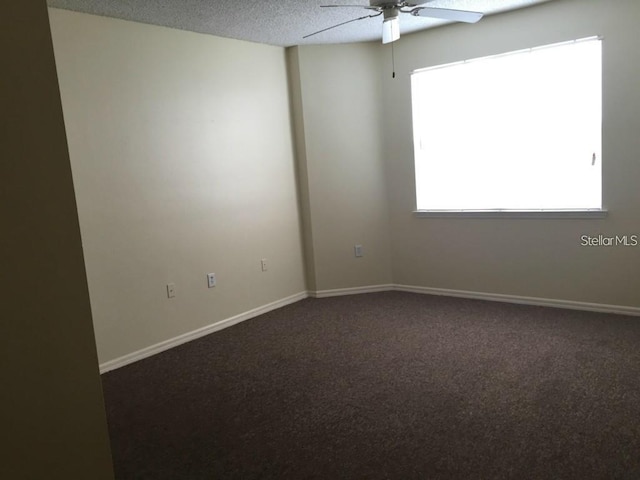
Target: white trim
(542, 302)
(201, 332)
(543, 214)
(339, 292)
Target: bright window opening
(520, 131)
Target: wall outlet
(171, 290)
(357, 250)
(263, 264)
(211, 280)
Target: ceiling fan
(391, 10)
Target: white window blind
(520, 131)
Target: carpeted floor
(387, 386)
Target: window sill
(545, 214)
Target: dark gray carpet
(387, 386)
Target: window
(519, 131)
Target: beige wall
(182, 154)
(183, 163)
(52, 413)
(537, 258)
(338, 94)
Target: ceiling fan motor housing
(389, 9)
(391, 13)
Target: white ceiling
(281, 23)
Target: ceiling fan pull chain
(393, 61)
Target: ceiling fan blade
(350, 6)
(419, 4)
(447, 14)
(343, 23)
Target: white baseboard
(542, 302)
(338, 292)
(201, 332)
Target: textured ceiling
(281, 23)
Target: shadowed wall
(52, 409)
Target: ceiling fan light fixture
(390, 30)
